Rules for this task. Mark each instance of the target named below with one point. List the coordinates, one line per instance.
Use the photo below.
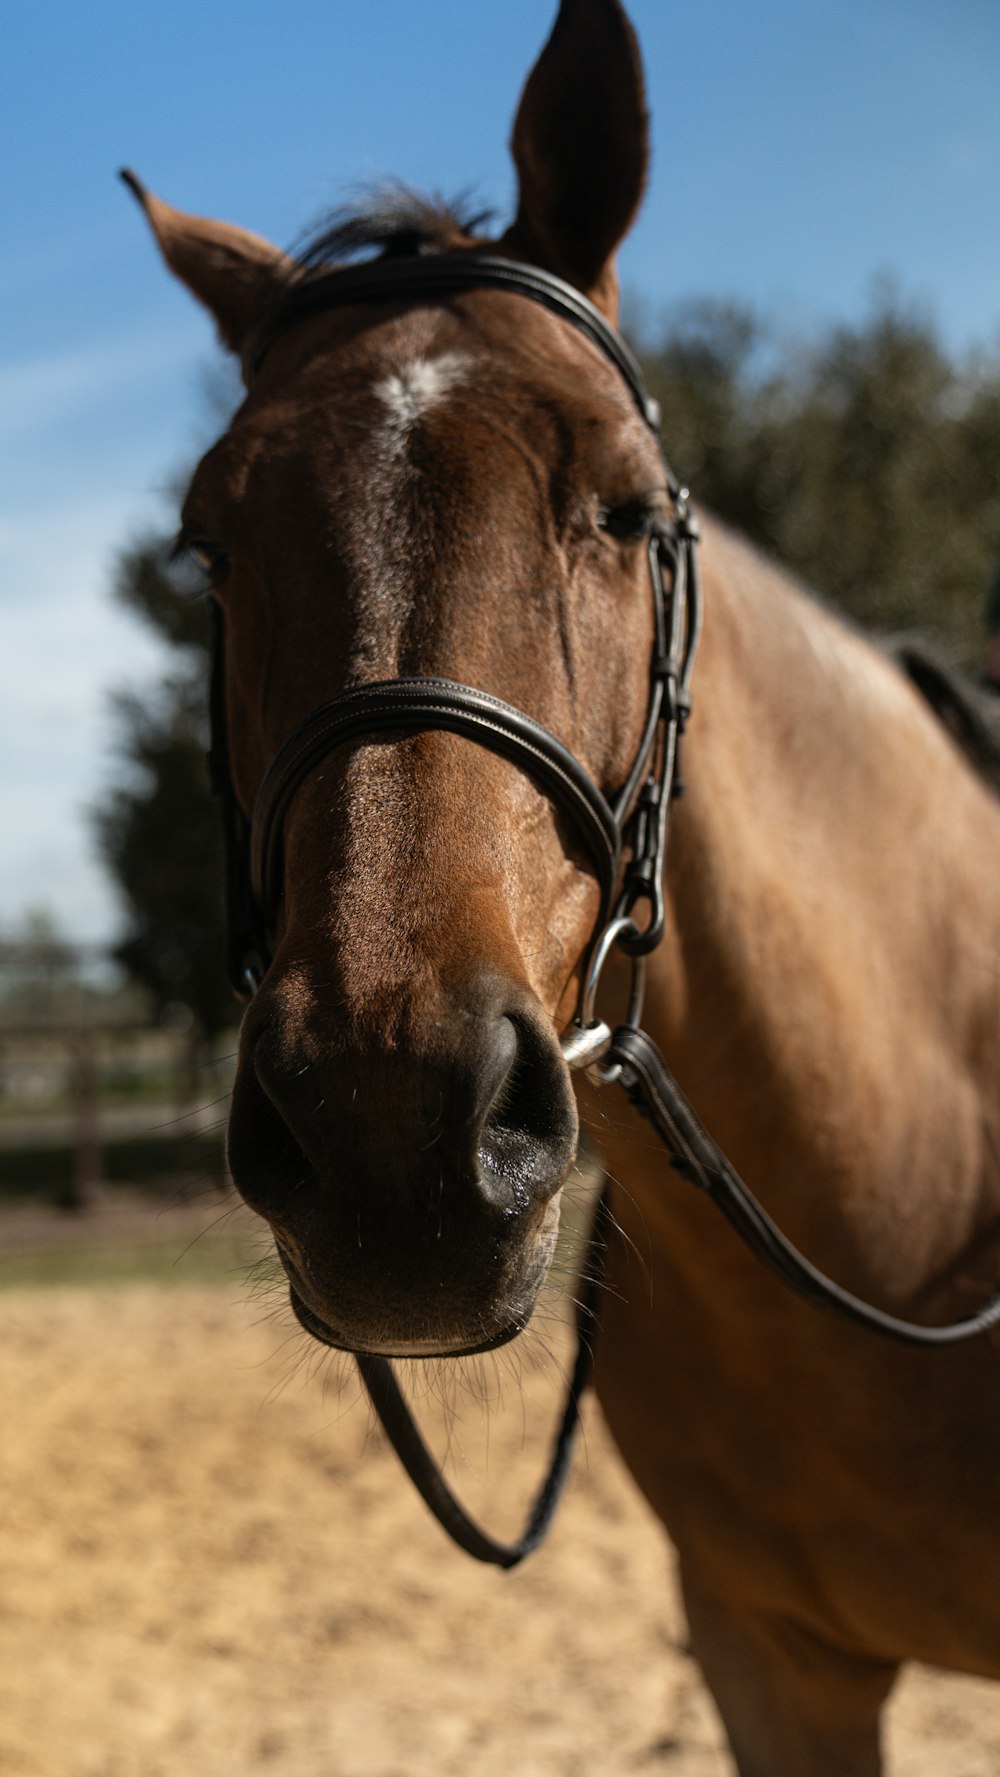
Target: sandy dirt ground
(210, 1568)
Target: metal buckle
(589, 1038)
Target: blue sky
(802, 152)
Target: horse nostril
(276, 1139)
(529, 1137)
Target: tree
(866, 461)
(159, 830)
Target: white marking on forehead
(408, 394)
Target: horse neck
(833, 867)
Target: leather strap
(412, 706)
(400, 1428)
(693, 1154)
(411, 279)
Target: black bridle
(633, 824)
(625, 836)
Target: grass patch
(172, 1264)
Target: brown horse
(460, 485)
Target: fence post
(88, 1171)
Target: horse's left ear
(235, 274)
(581, 148)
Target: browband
(440, 274)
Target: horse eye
(628, 524)
(210, 557)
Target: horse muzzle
(318, 1329)
(413, 1193)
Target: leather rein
(626, 837)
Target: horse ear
(233, 272)
(581, 148)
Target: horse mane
(969, 712)
(393, 219)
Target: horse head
(459, 487)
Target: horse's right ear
(581, 148)
(235, 274)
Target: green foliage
(866, 462)
(168, 1263)
(159, 830)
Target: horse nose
(411, 1184)
(482, 1109)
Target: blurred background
(814, 288)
